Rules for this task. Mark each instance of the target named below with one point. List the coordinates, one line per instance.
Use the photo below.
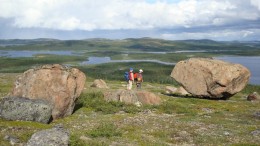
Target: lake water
(252, 63)
(182, 51)
(17, 53)
(99, 60)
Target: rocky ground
(177, 121)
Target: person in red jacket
(131, 79)
(139, 79)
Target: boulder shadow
(77, 107)
(197, 97)
(50, 120)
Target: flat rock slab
(15, 108)
(56, 136)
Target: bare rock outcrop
(16, 108)
(211, 78)
(126, 96)
(99, 83)
(133, 97)
(60, 85)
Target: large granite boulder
(211, 78)
(60, 85)
(15, 108)
(133, 97)
(57, 136)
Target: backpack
(126, 76)
(139, 77)
(135, 76)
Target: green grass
(251, 88)
(105, 130)
(177, 121)
(115, 71)
(21, 129)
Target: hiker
(139, 79)
(130, 79)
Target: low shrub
(76, 141)
(251, 88)
(105, 130)
(179, 106)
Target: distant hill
(130, 44)
(134, 40)
(202, 41)
(13, 42)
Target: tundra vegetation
(177, 120)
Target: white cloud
(126, 14)
(247, 33)
(223, 35)
(212, 19)
(256, 3)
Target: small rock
(138, 104)
(99, 83)
(226, 133)
(207, 116)
(57, 136)
(170, 89)
(182, 91)
(121, 112)
(207, 110)
(256, 132)
(253, 96)
(58, 126)
(147, 111)
(257, 115)
(12, 139)
(183, 134)
(174, 90)
(84, 138)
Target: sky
(221, 20)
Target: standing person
(139, 79)
(131, 79)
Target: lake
(252, 63)
(99, 60)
